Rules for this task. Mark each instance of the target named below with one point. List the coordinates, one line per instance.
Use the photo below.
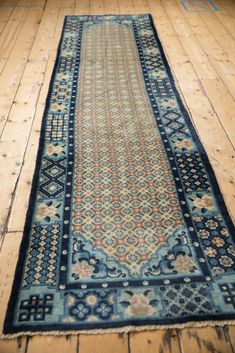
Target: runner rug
(126, 228)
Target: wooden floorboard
(200, 48)
(166, 341)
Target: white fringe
(125, 329)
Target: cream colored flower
(183, 263)
(204, 234)
(205, 201)
(63, 76)
(91, 299)
(70, 300)
(185, 143)
(170, 103)
(44, 210)
(56, 107)
(83, 270)
(152, 51)
(67, 52)
(219, 242)
(157, 74)
(211, 224)
(68, 319)
(139, 306)
(146, 32)
(226, 261)
(217, 271)
(54, 149)
(211, 252)
(92, 318)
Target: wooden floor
(200, 47)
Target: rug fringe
(125, 329)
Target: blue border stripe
(8, 324)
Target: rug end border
(121, 330)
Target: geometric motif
(120, 174)
(90, 305)
(217, 244)
(57, 127)
(161, 87)
(126, 223)
(194, 176)
(53, 177)
(42, 257)
(66, 64)
(36, 308)
(186, 300)
(229, 291)
(173, 122)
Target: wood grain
(205, 340)
(52, 344)
(15, 65)
(200, 48)
(158, 341)
(117, 343)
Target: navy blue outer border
(8, 327)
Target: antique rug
(127, 228)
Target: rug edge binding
(122, 330)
